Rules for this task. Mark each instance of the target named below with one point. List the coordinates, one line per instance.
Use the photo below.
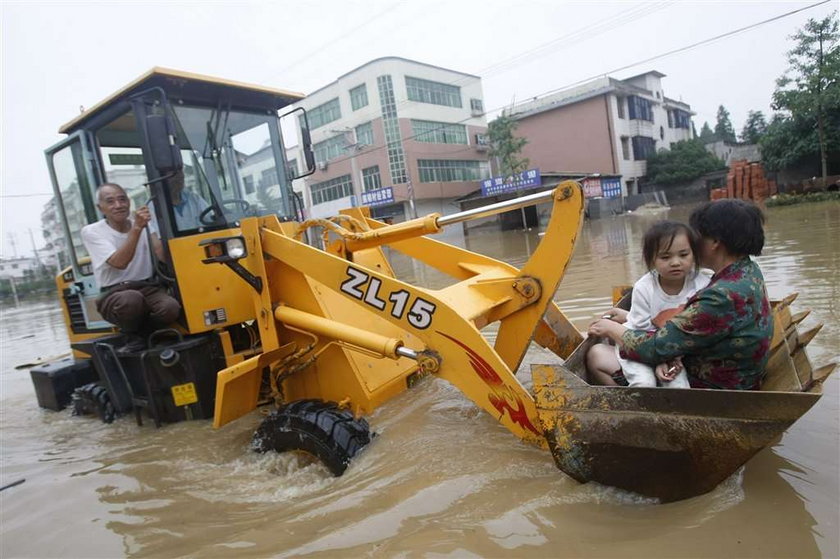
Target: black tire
(316, 427)
(93, 398)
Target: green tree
(507, 147)
(754, 128)
(723, 127)
(706, 134)
(686, 161)
(809, 92)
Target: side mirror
(308, 153)
(305, 139)
(165, 152)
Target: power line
(31, 195)
(621, 18)
(688, 47)
(625, 67)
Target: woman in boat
(723, 334)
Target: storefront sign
(592, 187)
(499, 185)
(601, 187)
(611, 187)
(378, 197)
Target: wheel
(316, 427)
(93, 398)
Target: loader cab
(201, 152)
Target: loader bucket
(665, 443)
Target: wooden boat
(674, 444)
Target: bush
(790, 199)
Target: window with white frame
(625, 147)
(371, 179)
(477, 106)
(323, 114)
(438, 132)
(446, 170)
(333, 189)
(436, 93)
(358, 97)
(330, 148)
(364, 134)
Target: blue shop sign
(378, 197)
(611, 187)
(499, 185)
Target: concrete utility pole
(14, 291)
(13, 243)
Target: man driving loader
(119, 250)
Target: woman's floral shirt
(723, 334)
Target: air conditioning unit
(322, 165)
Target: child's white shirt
(651, 307)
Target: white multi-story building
(605, 126)
(394, 133)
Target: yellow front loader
(327, 332)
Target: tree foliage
(507, 147)
(808, 98)
(754, 128)
(723, 127)
(707, 134)
(686, 161)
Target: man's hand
(142, 217)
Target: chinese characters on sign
(597, 187)
(592, 188)
(378, 197)
(499, 185)
(611, 187)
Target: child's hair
(737, 224)
(660, 237)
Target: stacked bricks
(747, 182)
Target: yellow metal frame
(342, 314)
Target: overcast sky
(58, 56)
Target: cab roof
(197, 88)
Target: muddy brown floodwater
(443, 478)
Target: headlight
(235, 248)
(226, 249)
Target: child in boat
(668, 248)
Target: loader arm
(447, 320)
(542, 320)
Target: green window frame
(325, 113)
(448, 170)
(364, 134)
(371, 179)
(432, 132)
(333, 189)
(435, 93)
(330, 148)
(358, 97)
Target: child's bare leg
(601, 363)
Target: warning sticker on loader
(184, 394)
